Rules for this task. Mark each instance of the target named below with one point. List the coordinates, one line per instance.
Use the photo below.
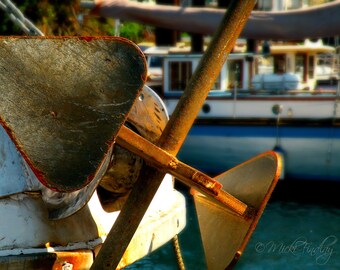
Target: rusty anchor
(227, 209)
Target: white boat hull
(233, 130)
(304, 158)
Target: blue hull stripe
(263, 131)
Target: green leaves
(59, 18)
(132, 31)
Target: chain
(19, 19)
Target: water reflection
(299, 229)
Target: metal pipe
(174, 134)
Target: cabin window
(279, 63)
(265, 65)
(272, 64)
(311, 67)
(274, 5)
(293, 4)
(235, 74)
(156, 61)
(180, 74)
(301, 66)
(217, 84)
(264, 5)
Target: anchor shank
(174, 134)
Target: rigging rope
(19, 19)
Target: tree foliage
(51, 17)
(133, 31)
(60, 18)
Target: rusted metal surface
(63, 101)
(174, 134)
(118, 174)
(148, 115)
(64, 204)
(148, 118)
(224, 234)
(66, 260)
(169, 164)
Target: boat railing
(236, 92)
(270, 92)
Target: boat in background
(260, 103)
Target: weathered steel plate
(80, 259)
(224, 233)
(63, 101)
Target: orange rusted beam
(162, 160)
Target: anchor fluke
(228, 206)
(63, 101)
(224, 232)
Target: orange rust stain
(81, 259)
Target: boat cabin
(178, 70)
(285, 68)
(290, 66)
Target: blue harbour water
(299, 229)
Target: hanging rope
(177, 249)
(19, 19)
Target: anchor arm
(170, 164)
